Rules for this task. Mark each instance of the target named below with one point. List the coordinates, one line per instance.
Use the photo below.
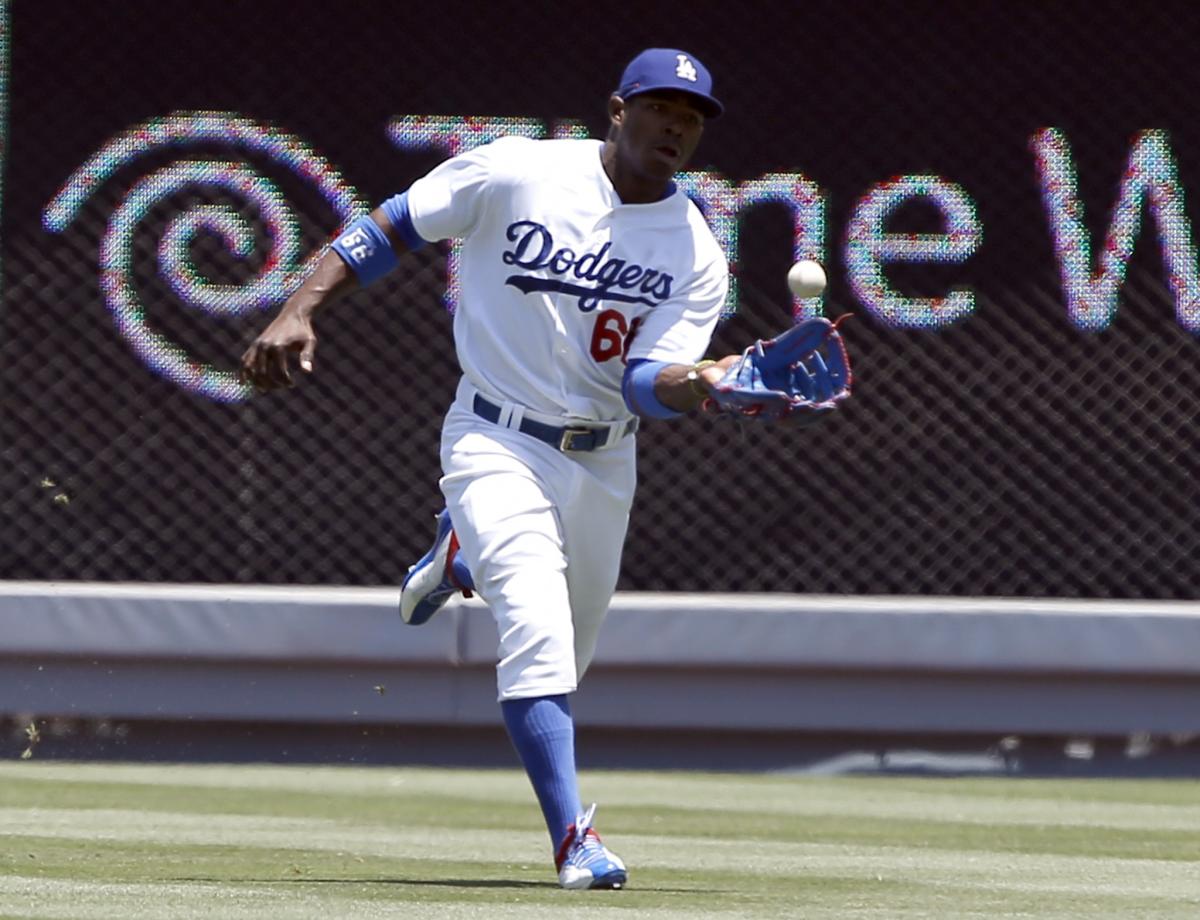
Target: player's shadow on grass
(465, 882)
(508, 883)
(415, 882)
(489, 883)
(435, 883)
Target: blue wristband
(637, 386)
(367, 250)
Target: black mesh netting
(1008, 453)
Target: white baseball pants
(541, 531)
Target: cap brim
(708, 105)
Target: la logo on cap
(685, 69)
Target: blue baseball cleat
(436, 577)
(584, 862)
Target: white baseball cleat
(584, 862)
(434, 579)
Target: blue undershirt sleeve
(637, 386)
(396, 209)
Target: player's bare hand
(712, 374)
(267, 363)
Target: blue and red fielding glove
(798, 377)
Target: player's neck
(631, 187)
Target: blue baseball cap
(670, 68)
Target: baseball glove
(799, 376)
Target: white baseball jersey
(560, 281)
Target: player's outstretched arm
(660, 389)
(683, 387)
(800, 375)
(267, 363)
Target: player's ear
(616, 109)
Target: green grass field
(129, 842)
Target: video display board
(1002, 194)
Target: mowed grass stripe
(168, 829)
(447, 889)
(805, 812)
(924, 884)
(1172, 805)
(510, 785)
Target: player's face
(658, 133)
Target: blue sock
(543, 733)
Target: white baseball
(806, 278)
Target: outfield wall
(672, 661)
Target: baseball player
(590, 287)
